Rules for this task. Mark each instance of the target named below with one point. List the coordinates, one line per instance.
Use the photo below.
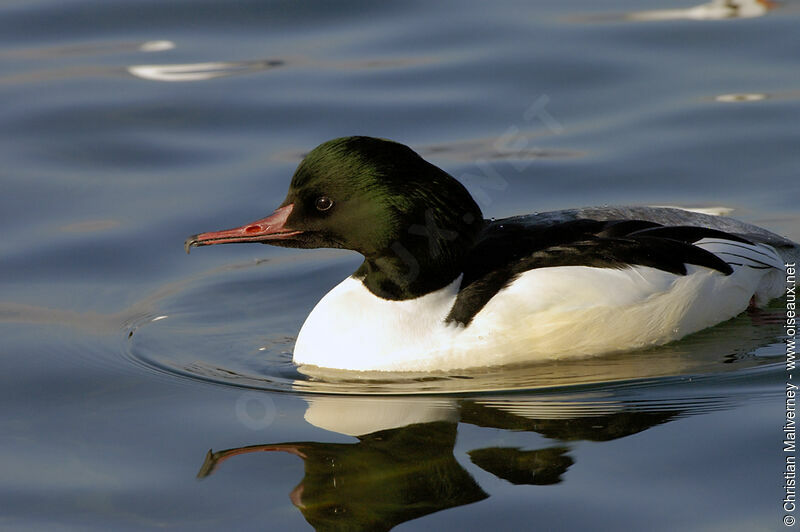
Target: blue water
(127, 126)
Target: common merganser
(442, 288)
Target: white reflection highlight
(714, 10)
(199, 71)
(185, 72)
(742, 97)
(156, 46)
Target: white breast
(546, 313)
(351, 328)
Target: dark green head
(378, 197)
(369, 194)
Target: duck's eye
(323, 203)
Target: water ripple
(212, 329)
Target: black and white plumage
(441, 288)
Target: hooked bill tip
(191, 241)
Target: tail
(760, 260)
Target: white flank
(546, 313)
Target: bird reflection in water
(392, 475)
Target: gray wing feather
(790, 251)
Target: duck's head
(370, 195)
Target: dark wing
(507, 250)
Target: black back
(506, 250)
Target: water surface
(143, 388)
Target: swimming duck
(443, 288)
